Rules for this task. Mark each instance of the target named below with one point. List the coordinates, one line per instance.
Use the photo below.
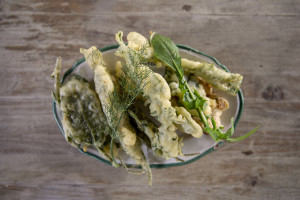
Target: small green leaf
(213, 133)
(185, 95)
(190, 105)
(242, 137)
(230, 131)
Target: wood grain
(260, 40)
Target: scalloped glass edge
(219, 144)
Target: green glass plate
(201, 146)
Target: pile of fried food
(107, 115)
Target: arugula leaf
(167, 52)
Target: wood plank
(209, 34)
(58, 152)
(243, 7)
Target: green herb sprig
(167, 52)
(131, 84)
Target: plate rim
(155, 165)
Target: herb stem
(112, 152)
(200, 112)
(202, 116)
(113, 140)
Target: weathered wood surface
(260, 40)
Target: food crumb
(84, 149)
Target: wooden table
(260, 40)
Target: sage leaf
(166, 51)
